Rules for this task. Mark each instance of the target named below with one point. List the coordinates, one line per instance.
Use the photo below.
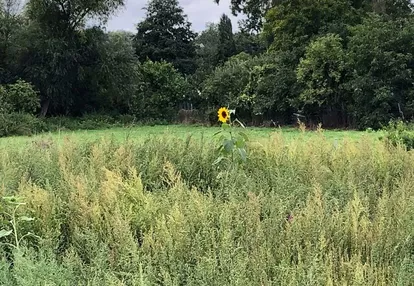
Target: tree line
(344, 63)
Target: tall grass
(301, 212)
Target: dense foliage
(337, 62)
(157, 212)
(168, 211)
(161, 87)
(165, 34)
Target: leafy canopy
(227, 46)
(166, 35)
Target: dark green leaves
(166, 35)
(321, 71)
(160, 90)
(228, 145)
(227, 45)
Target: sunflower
(223, 114)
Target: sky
(199, 13)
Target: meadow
(146, 206)
(141, 133)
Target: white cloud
(199, 12)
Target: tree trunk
(45, 107)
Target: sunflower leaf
(243, 154)
(228, 146)
(240, 143)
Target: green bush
(400, 133)
(27, 124)
(227, 83)
(88, 122)
(253, 85)
(160, 92)
(5, 107)
(17, 104)
(20, 124)
(126, 119)
(20, 97)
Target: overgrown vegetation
(174, 211)
(400, 133)
(337, 62)
(159, 212)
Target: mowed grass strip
(142, 133)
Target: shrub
(88, 122)
(96, 121)
(253, 85)
(20, 97)
(126, 119)
(161, 90)
(26, 124)
(20, 124)
(400, 133)
(5, 107)
(226, 84)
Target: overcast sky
(199, 13)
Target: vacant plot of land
(305, 209)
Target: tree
(255, 10)
(109, 72)
(291, 25)
(262, 85)
(206, 43)
(381, 60)
(322, 72)
(272, 87)
(166, 35)
(224, 86)
(249, 43)
(159, 93)
(65, 16)
(227, 46)
(10, 23)
(392, 8)
(52, 43)
(19, 97)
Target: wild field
(142, 133)
(135, 208)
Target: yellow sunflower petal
(223, 115)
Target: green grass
(144, 132)
(151, 209)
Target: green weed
(303, 211)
